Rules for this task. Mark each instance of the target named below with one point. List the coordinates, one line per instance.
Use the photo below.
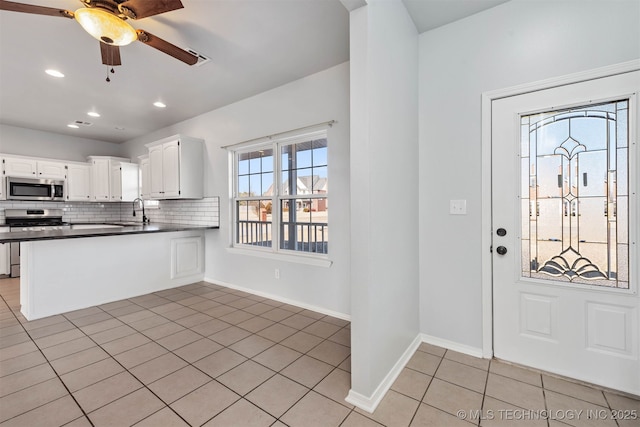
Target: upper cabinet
(46, 169)
(176, 168)
(78, 182)
(145, 185)
(32, 168)
(105, 186)
(17, 166)
(124, 182)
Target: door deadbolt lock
(501, 250)
(501, 232)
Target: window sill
(300, 259)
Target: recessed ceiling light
(54, 73)
(93, 114)
(119, 128)
(159, 104)
(72, 126)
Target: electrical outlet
(277, 274)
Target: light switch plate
(458, 207)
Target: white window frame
(321, 259)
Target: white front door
(565, 230)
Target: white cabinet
(176, 168)
(156, 188)
(53, 170)
(101, 180)
(2, 189)
(5, 267)
(79, 182)
(145, 185)
(18, 166)
(124, 182)
(32, 168)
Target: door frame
(486, 168)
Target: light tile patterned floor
(207, 355)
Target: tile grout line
(52, 368)
(171, 351)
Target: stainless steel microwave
(34, 189)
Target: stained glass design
(575, 195)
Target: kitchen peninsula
(66, 270)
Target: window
(281, 195)
(575, 192)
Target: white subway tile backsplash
(193, 212)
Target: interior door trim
(486, 169)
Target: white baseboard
(452, 345)
(370, 404)
(279, 298)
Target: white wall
(384, 204)
(29, 142)
(517, 42)
(317, 98)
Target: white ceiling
(254, 46)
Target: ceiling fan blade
(166, 47)
(146, 8)
(38, 10)
(110, 54)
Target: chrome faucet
(145, 220)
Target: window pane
(319, 152)
(303, 156)
(304, 225)
(267, 184)
(577, 217)
(243, 167)
(320, 182)
(254, 223)
(243, 186)
(254, 164)
(255, 185)
(267, 161)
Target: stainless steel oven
(30, 220)
(19, 188)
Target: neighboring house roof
(310, 184)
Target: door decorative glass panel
(575, 195)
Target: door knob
(501, 250)
(501, 232)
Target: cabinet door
(101, 171)
(145, 187)
(116, 183)
(78, 182)
(171, 169)
(14, 166)
(5, 267)
(155, 171)
(51, 170)
(129, 182)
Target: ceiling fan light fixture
(105, 26)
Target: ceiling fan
(106, 20)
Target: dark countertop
(126, 229)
